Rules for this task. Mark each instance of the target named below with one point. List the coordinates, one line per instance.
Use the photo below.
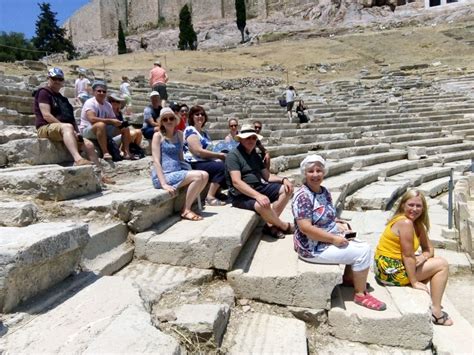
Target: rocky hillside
(308, 18)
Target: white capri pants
(356, 254)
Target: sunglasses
(199, 114)
(166, 119)
(183, 111)
(57, 79)
(233, 125)
(257, 128)
(102, 91)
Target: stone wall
(464, 213)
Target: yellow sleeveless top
(389, 243)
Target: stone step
(421, 175)
(406, 323)
(433, 142)
(377, 196)
(260, 333)
(154, 280)
(399, 166)
(436, 186)
(11, 132)
(348, 183)
(50, 182)
(213, 242)
(456, 339)
(450, 148)
(107, 250)
(118, 318)
(33, 151)
(259, 274)
(408, 137)
(139, 206)
(392, 134)
(12, 117)
(459, 262)
(21, 104)
(36, 257)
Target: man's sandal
(273, 232)
(442, 319)
(191, 216)
(214, 202)
(370, 302)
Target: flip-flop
(214, 202)
(441, 320)
(191, 216)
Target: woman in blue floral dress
(320, 238)
(168, 172)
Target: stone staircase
(117, 260)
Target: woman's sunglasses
(166, 119)
(233, 125)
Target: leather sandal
(273, 232)
(214, 202)
(191, 216)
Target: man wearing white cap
(158, 79)
(252, 187)
(151, 116)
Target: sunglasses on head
(166, 119)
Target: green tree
(241, 16)
(122, 46)
(49, 36)
(187, 35)
(14, 46)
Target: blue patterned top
(318, 208)
(204, 139)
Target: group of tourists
(184, 156)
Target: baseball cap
(55, 73)
(98, 83)
(157, 62)
(154, 93)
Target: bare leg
(100, 132)
(435, 270)
(360, 280)
(89, 148)
(197, 180)
(280, 204)
(269, 216)
(137, 136)
(213, 188)
(126, 139)
(70, 141)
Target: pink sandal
(370, 302)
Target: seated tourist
(168, 173)
(98, 121)
(183, 115)
(396, 260)
(319, 238)
(252, 187)
(257, 125)
(300, 112)
(151, 115)
(229, 142)
(54, 119)
(117, 101)
(197, 149)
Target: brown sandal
(191, 216)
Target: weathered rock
(204, 322)
(50, 182)
(33, 152)
(18, 214)
(36, 257)
(115, 321)
(259, 333)
(308, 315)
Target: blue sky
(21, 15)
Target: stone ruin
(112, 269)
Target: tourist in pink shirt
(158, 80)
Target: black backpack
(136, 150)
(113, 149)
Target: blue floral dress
(170, 163)
(204, 139)
(318, 208)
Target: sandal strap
(370, 302)
(443, 317)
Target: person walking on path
(290, 101)
(157, 80)
(126, 91)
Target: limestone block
(308, 315)
(260, 333)
(106, 317)
(50, 182)
(35, 152)
(415, 153)
(11, 133)
(22, 104)
(36, 257)
(17, 214)
(203, 322)
(260, 274)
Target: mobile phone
(350, 235)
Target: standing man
(252, 187)
(158, 79)
(151, 113)
(98, 121)
(290, 101)
(54, 119)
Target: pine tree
(122, 46)
(187, 35)
(50, 37)
(241, 16)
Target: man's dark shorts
(289, 106)
(271, 190)
(161, 88)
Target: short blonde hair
(424, 219)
